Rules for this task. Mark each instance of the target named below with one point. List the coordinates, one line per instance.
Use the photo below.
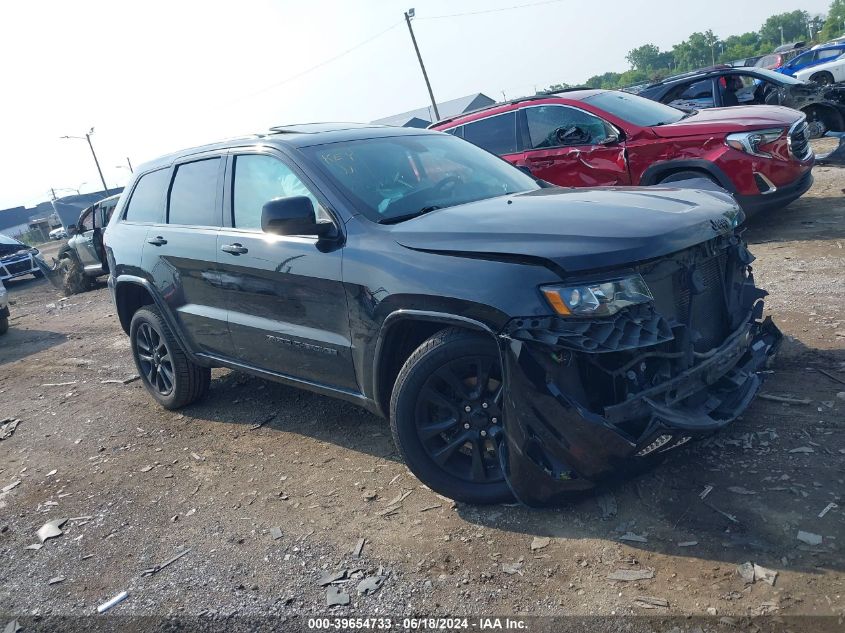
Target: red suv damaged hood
(727, 120)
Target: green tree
(794, 24)
(643, 57)
(697, 51)
(834, 25)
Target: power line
(322, 63)
(517, 6)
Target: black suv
(724, 86)
(524, 340)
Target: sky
(157, 76)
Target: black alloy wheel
(154, 359)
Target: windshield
(634, 109)
(779, 78)
(398, 177)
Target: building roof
(423, 117)
(68, 209)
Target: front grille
(704, 312)
(799, 141)
(708, 313)
(18, 267)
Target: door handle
(540, 162)
(234, 249)
(157, 241)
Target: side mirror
(293, 215)
(70, 229)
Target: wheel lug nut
(483, 405)
(466, 425)
(467, 408)
(494, 420)
(483, 433)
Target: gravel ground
(272, 488)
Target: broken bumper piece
(556, 445)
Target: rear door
(498, 134)
(573, 148)
(180, 253)
(287, 305)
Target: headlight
(754, 142)
(601, 298)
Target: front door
(573, 148)
(83, 241)
(287, 305)
(180, 254)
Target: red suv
(588, 138)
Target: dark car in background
(725, 86)
(17, 259)
(523, 339)
(583, 138)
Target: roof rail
(539, 95)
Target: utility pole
(408, 15)
(129, 162)
(93, 153)
(781, 35)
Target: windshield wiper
(407, 216)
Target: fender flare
(159, 302)
(656, 170)
(403, 314)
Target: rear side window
(193, 195)
(147, 201)
(496, 134)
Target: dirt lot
(139, 484)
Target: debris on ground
(830, 506)
(766, 575)
(739, 490)
(11, 486)
(634, 538)
(7, 427)
(335, 596)
(123, 595)
(258, 425)
(803, 449)
(648, 602)
(120, 381)
(331, 577)
(275, 533)
(539, 542)
(727, 515)
(370, 585)
(784, 399)
(707, 490)
(399, 498)
(513, 568)
(809, 538)
(359, 547)
(629, 575)
(51, 529)
(158, 568)
(56, 580)
(370, 495)
(687, 543)
(607, 505)
(12, 627)
(746, 572)
(431, 507)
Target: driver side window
(560, 126)
(260, 178)
(87, 222)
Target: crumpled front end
(588, 398)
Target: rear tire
(453, 452)
(4, 325)
(166, 371)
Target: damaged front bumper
(572, 419)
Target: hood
(10, 246)
(727, 120)
(576, 229)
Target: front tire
(686, 175)
(166, 371)
(823, 78)
(446, 416)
